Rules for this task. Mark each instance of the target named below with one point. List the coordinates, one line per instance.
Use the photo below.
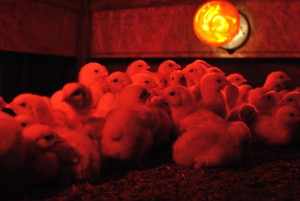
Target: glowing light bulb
(216, 22)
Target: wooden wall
(166, 30)
(41, 27)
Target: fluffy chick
(263, 100)
(211, 95)
(243, 93)
(211, 145)
(279, 128)
(167, 66)
(37, 106)
(194, 72)
(114, 84)
(146, 80)
(41, 162)
(11, 148)
(185, 111)
(291, 98)
(88, 165)
(126, 134)
(25, 120)
(276, 81)
(231, 95)
(93, 75)
(137, 66)
(215, 69)
(177, 77)
(79, 97)
(161, 80)
(236, 78)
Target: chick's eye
(219, 80)
(146, 82)
(192, 70)
(115, 80)
(144, 94)
(281, 77)
(172, 93)
(290, 99)
(269, 97)
(23, 124)
(76, 93)
(292, 114)
(170, 65)
(48, 137)
(237, 79)
(96, 71)
(140, 65)
(172, 78)
(23, 104)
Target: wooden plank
(30, 26)
(65, 4)
(167, 32)
(100, 5)
(83, 41)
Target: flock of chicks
(209, 117)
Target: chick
(207, 65)
(88, 165)
(137, 66)
(133, 95)
(211, 95)
(161, 80)
(2, 103)
(114, 84)
(236, 78)
(25, 120)
(72, 118)
(41, 163)
(231, 95)
(276, 81)
(243, 93)
(291, 98)
(37, 106)
(263, 100)
(126, 134)
(194, 72)
(278, 129)
(210, 145)
(177, 77)
(181, 103)
(185, 111)
(93, 75)
(79, 97)
(11, 148)
(215, 69)
(133, 127)
(167, 66)
(146, 80)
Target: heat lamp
(218, 23)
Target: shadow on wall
(33, 73)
